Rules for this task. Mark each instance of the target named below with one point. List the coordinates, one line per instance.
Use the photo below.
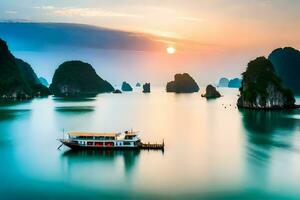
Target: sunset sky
(234, 23)
(210, 28)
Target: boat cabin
(126, 139)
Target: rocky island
(286, 62)
(262, 89)
(18, 81)
(223, 82)
(117, 91)
(77, 78)
(146, 88)
(235, 83)
(211, 92)
(126, 87)
(183, 83)
(44, 81)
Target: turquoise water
(213, 150)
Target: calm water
(213, 150)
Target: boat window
(84, 137)
(98, 143)
(129, 137)
(109, 144)
(104, 138)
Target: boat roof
(131, 132)
(92, 134)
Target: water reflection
(267, 130)
(129, 157)
(9, 114)
(73, 99)
(74, 109)
(266, 122)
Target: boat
(125, 140)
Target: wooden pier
(152, 146)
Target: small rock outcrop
(286, 62)
(77, 78)
(262, 89)
(183, 83)
(117, 91)
(126, 87)
(235, 83)
(146, 88)
(223, 82)
(137, 85)
(211, 92)
(44, 81)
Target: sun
(171, 50)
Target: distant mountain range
(37, 36)
(232, 83)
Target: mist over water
(213, 150)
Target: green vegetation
(260, 84)
(37, 89)
(17, 79)
(76, 78)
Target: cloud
(266, 3)
(45, 7)
(194, 19)
(11, 12)
(84, 12)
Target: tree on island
(262, 88)
(17, 79)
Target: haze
(213, 38)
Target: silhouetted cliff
(126, 87)
(286, 62)
(183, 83)
(146, 88)
(76, 78)
(262, 88)
(17, 79)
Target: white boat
(125, 140)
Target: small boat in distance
(125, 140)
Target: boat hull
(77, 146)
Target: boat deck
(152, 146)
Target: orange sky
(212, 37)
(207, 23)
